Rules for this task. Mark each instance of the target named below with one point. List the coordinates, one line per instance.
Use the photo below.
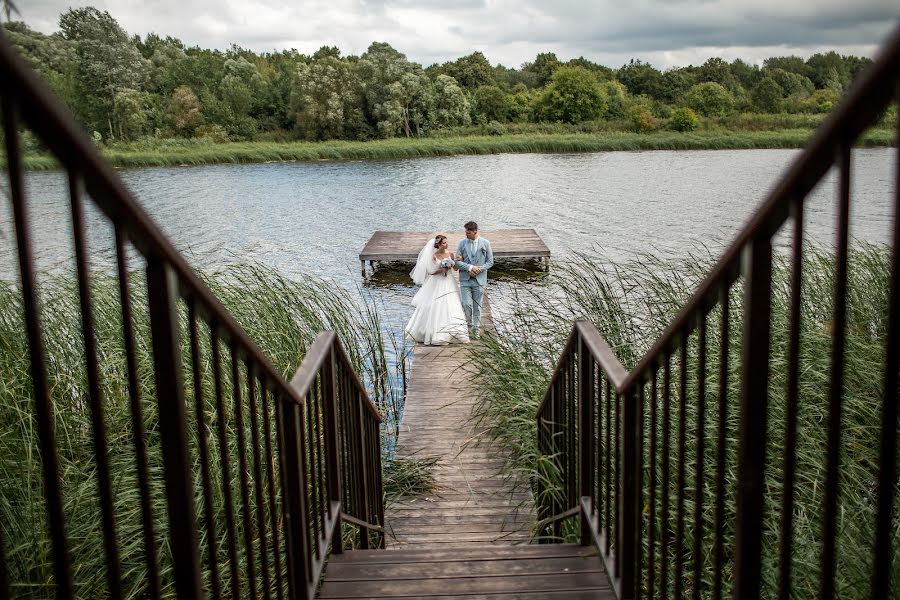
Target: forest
(123, 88)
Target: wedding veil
(423, 263)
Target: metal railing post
(628, 510)
(294, 501)
(332, 453)
(585, 431)
(757, 268)
(161, 296)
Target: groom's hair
(471, 226)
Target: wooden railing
(610, 434)
(289, 464)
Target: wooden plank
(603, 594)
(464, 585)
(461, 568)
(405, 245)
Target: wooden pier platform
(405, 246)
(473, 503)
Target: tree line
(122, 87)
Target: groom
(475, 258)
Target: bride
(438, 318)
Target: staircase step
(470, 571)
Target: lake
(315, 217)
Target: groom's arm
(460, 264)
(489, 256)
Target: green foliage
(792, 83)
(326, 100)
(631, 303)
(451, 107)
(130, 113)
(184, 109)
(641, 118)
(495, 128)
(102, 74)
(490, 104)
(767, 95)
(282, 316)
(544, 66)
(573, 95)
(710, 99)
(642, 78)
(684, 119)
(396, 91)
(520, 104)
(616, 99)
(718, 71)
(107, 62)
(470, 72)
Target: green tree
(471, 71)
(184, 109)
(573, 95)
(544, 66)
(717, 70)
(616, 99)
(601, 72)
(767, 95)
(397, 92)
(710, 99)
(107, 59)
(490, 104)
(326, 100)
(792, 83)
(829, 71)
(684, 119)
(747, 75)
(520, 103)
(791, 64)
(642, 78)
(451, 107)
(130, 113)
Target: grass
(168, 153)
(631, 304)
(282, 316)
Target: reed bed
(282, 316)
(630, 304)
(168, 153)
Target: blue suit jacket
(482, 257)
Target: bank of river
(202, 152)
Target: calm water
(315, 217)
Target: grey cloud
(438, 30)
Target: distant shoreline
(170, 153)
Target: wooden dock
(473, 502)
(469, 537)
(390, 246)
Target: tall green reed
(631, 304)
(282, 316)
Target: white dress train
(438, 317)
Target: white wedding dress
(438, 317)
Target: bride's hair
(438, 240)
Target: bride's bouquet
(446, 264)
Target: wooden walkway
(406, 245)
(473, 502)
(469, 538)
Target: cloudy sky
(665, 33)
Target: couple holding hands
(447, 310)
